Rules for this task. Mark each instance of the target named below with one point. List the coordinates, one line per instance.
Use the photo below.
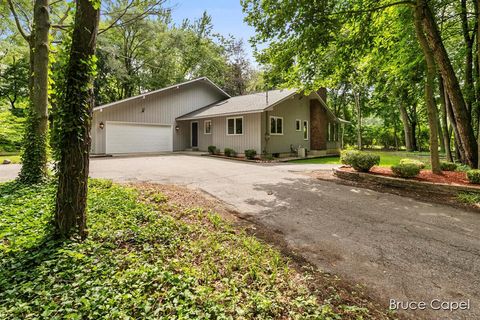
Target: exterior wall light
(101, 125)
(177, 128)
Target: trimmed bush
(250, 154)
(360, 161)
(229, 152)
(448, 166)
(419, 163)
(212, 149)
(473, 176)
(406, 170)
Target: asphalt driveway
(400, 248)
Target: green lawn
(146, 258)
(15, 158)
(387, 158)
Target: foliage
(12, 157)
(14, 82)
(229, 152)
(142, 260)
(360, 161)
(418, 163)
(448, 166)
(469, 197)
(11, 130)
(34, 153)
(153, 53)
(406, 170)
(212, 149)
(473, 176)
(250, 154)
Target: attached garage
(131, 137)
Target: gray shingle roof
(251, 103)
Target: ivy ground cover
(144, 259)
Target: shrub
(463, 167)
(360, 161)
(406, 170)
(229, 152)
(212, 149)
(468, 197)
(419, 163)
(473, 176)
(250, 154)
(448, 166)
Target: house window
(235, 126)
(329, 132)
(207, 126)
(276, 125)
(298, 125)
(305, 130)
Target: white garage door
(137, 138)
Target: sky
(227, 17)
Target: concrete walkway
(400, 248)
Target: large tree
(34, 157)
(74, 122)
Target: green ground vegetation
(14, 157)
(387, 158)
(144, 258)
(469, 197)
(11, 129)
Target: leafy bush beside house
(212, 149)
(229, 152)
(360, 161)
(250, 154)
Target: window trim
(299, 125)
(205, 127)
(308, 129)
(270, 123)
(234, 126)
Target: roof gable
(173, 87)
(251, 103)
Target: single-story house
(196, 114)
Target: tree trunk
(443, 121)
(359, 121)
(460, 154)
(76, 116)
(34, 157)
(469, 41)
(407, 128)
(429, 94)
(476, 6)
(462, 118)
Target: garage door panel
(138, 138)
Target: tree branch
(17, 21)
(122, 14)
(403, 2)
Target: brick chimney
(322, 92)
(318, 122)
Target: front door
(194, 134)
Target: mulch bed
(447, 177)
